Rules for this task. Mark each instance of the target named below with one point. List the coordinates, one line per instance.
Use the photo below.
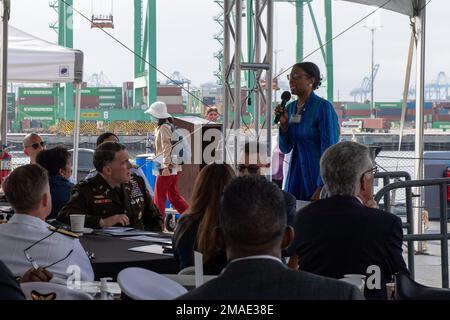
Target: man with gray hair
(345, 233)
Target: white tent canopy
(31, 59)
(406, 7)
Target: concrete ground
(428, 266)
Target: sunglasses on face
(36, 145)
(252, 168)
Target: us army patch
(135, 190)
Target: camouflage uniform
(96, 199)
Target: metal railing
(410, 237)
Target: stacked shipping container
(36, 107)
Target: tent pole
(76, 134)
(4, 65)
(420, 22)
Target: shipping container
(388, 112)
(173, 100)
(392, 117)
(36, 92)
(128, 85)
(357, 106)
(88, 91)
(388, 105)
(115, 105)
(175, 109)
(209, 101)
(110, 98)
(379, 124)
(88, 101)
(442, 111)
(110, 91)
(357, 113)
(427, 112)
(441, 118)
(168, 91)
(441, 125)
(412, 105)
(36, 101)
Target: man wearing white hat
(166, 184)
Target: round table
(112, 256)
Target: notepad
(149, 239)
(153, 248)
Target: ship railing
(443, 236)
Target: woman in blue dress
(308, 126)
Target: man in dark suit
(346, 233)
(252, 226)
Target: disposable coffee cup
(390, 289)
(77, 222)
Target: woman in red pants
(166, 184)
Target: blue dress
(317, 130)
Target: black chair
(408, 289)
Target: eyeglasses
(252, 168)
(33, 262)
(373, 170)
(36, 145)
(296, 76)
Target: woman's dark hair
(162, 121)
(312, 70)
(101, 138)
(53, 159)
(204, 208)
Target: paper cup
(77, 222)
(390, 290)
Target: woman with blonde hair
(195, 228)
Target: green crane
(144, 47)
(64, 29)
(300, 6)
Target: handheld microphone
(285, 97)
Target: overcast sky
(185, 30)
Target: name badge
(296, 118)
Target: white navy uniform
(23, 230)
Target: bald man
(32, 145)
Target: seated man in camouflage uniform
(113, 197)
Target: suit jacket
(291, 207)
(9, 288)
(267, 279)
(60, 190)
(338, 236)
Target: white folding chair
(188, 270)
(142, 284)
(51, 291)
